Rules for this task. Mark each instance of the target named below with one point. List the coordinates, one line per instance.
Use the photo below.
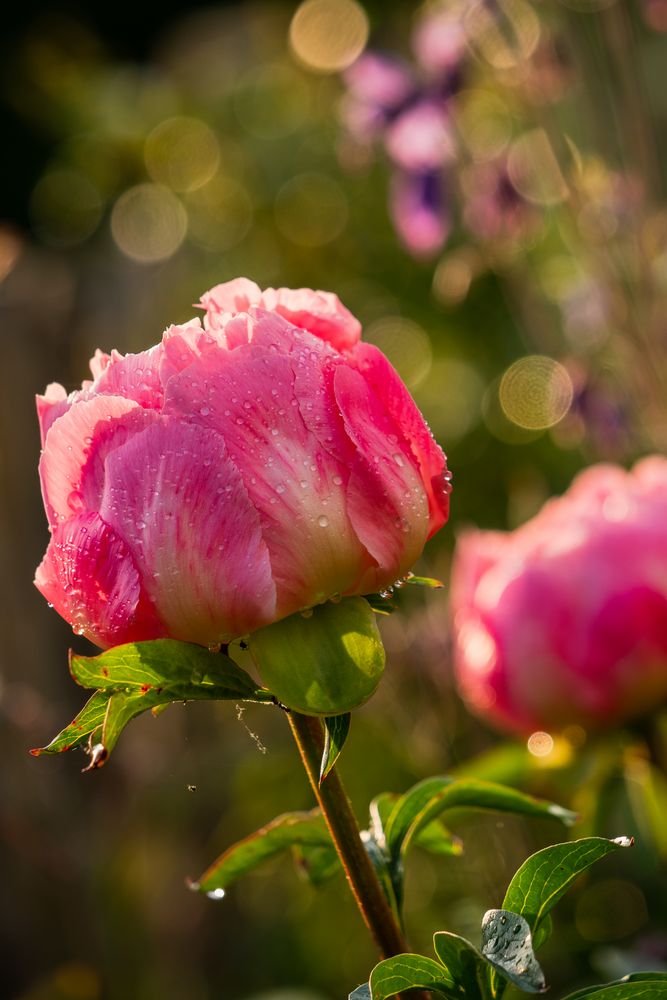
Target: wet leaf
(161, 663)
(336, 729)
(405, 972)
(508, 945)
(288, 830)
(545, 876)
(136, 677)
(638, 986)
(362, 992)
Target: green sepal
(336, 730)
(324, 663)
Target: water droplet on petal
(398, 458)
(323, 521)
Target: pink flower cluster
(237, 472)
(564, 621)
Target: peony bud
(564, 621)
(234, 474)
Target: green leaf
(545, 876)
(638, 986)
(362, 992)
(336, 729)
(318, 863)
(463, 962)
(140, 666)
(434, 837)
(288, 830)
(81, 730)
(405, 972)
(507, 944)
(325, 663)
(425, 801)
(135, 677)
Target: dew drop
(303, 484)
(214, 647)
(398, 459)
(338, 480)
(323, 521)
(204, 411)
(280, 488)
(216, 894)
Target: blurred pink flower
(235, 473)
(421, 138)
(564, 621)
(440, 40)
(419, 211)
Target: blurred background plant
(481, 184)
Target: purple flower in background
(419, 210)
(407, 111)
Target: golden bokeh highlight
(65, 207)
(540, 744)
(534, 170)
(484, 123)
(148, 223)
(504, 39)
(328, 35)
(405, 344)
(311, 210)
(219, 214)
(535, 392)
(454, 275)
(182, 153)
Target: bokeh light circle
(535, 392)
(328, 35)
(182, 153)
(148, 223)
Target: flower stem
(335, 805)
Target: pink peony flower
(564, 621)
(235, 473)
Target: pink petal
(90, 578)
(321, 313)
(133, 376)
(99, 362)
(229, 297)
(71, 468)
(50, 406)
(388, 387)
(249, 397)
(174, 496)
(386, 499)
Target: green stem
(335, 805)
